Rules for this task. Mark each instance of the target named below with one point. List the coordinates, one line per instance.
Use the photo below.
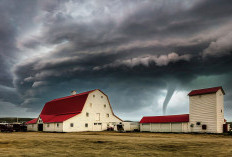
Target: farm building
(206, 115)
(130, 126)
(88, 111)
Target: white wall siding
(130, 126)
(32, 127)
(220, 111)
(99, 112)
(176, 127)
(165, 127)
(52, 127)
(155, 127)
(186, 127)
(145, 127)
(203, 109)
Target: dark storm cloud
(132, 50)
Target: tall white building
(206, 114)
(88, 111)
(206, 108)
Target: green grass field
(113, 144)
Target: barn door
(40, 127)
(97, 127)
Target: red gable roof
(61, 109)
(33, 121)
(57, 118)
(205, 91)
(166, 119)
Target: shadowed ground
(113, 144)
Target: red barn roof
(57, 118)
(33, 121)
(206, 91)
(61, 109)
(166, 119)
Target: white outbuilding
(130, 126)
(206, 115)
(88, 111)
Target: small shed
(131, 126)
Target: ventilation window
(204, 127)
(87, 114)
(198, 123)
(86, 125)
(104, 105)
(57, 125)
(107, 115)
(93, 95)
(71, 124)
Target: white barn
(88, 111)
(206, 115)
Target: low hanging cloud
(221, 47)
(162, 60)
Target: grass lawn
(113, 144)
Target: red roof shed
(166, 119)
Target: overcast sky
(136, 51)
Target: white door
(155, 127)
(176, 127)
(97, 127)
(165, 127)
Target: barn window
(204, 127)
(107, 115)
(57, 125)
(93, 95)
(198, 123)
(102, 97)
(71, 124)
(99, 123)
(95, 123)
(87, 114)
(221, 111)
(86, 125)
(48, 125)
(104, 105)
